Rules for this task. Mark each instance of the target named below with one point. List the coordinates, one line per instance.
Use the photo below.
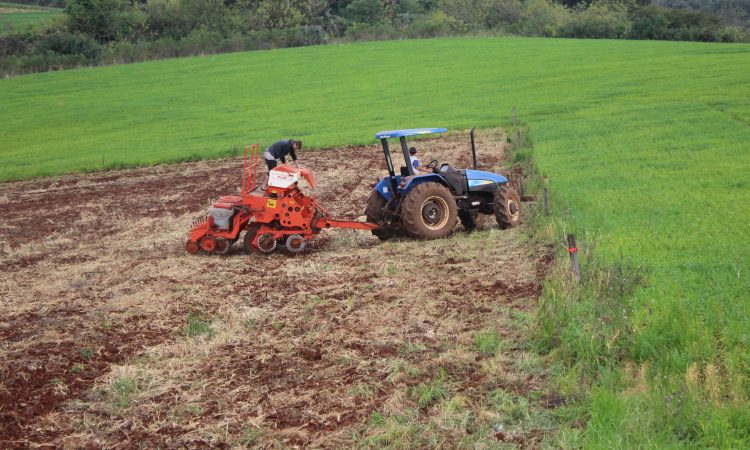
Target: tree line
(95, 32)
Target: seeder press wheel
(192, 247)
(222, 246)
(266, 243)
(295, 243)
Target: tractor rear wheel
(429, 211)
(374, 214)
(507, 206)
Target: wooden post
(532, 168)
(573, 251)
(546, 208)
(514, 116)
(518, 138)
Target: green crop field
(16, 16)
(644, 146)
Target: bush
(674, 24)
(365, 32)
(503, 12)
(598, 21)
(14, 44)
(731, 34)
(540, 18)
(199, 42)
(434, 25)
(43, 62)
(69, 44)
(313, 35)
(127, 52)
(104, 20)
(364, 11)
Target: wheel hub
(514, 210)
(434, 213)
(431, 213)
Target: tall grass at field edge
(593, 331)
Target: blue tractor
(428, 206)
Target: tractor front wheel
(429, 211)
(507, 206)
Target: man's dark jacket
(280, 149)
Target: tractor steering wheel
(433, 165)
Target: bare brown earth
(112, 337)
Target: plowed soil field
(113, 337)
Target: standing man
(279, 150)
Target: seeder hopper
(281, 215)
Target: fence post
(546, 208)
(519, 181)
(573, 251)
(514, 115)
(532, 168)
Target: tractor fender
(419, 179)
(383, 187)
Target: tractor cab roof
(409, 132)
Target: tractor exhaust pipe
(473, 147)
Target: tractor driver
(415, 162)
(279, 150)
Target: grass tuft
(487, 342)
(197, 326)
(121, 391)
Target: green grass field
(644, 145)
(32, 16)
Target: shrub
(198, 42)
(104, 20)
(503, 12)
(674, 24)
(364, 11)
(540, 18)
(434, 25)
(598, 21)
(14, 44)
(70, 44)
(49, 61)
(731, 34)
(365, 32)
